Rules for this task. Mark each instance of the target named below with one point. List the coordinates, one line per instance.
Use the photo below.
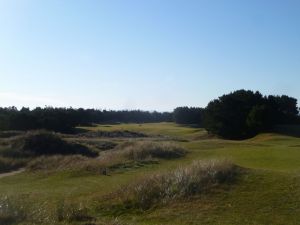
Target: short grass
(268, 194)
(167, 129)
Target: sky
(149, 55)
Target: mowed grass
(269, 193)
(167, 129)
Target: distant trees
(65, 119)
(242, 113)
(188, 115)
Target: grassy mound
(125, 155)
(8, 164)
(198, 178)
(57, 163)
(46, 143)
(145, 149)
(8, 134)
(18, 151)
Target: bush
(184, 182)
(242, 114)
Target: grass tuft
(9, 164)
(198, 178)
(10, 213)
(125, 155)
(72, 212)
(145, 149)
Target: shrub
(195, 179)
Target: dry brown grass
(198, 178)
(145, 149)
(10, 164)
(71, 163)
(125, 154)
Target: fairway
(149, 112)
(272, 178)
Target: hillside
(267, 191)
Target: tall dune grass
(146, 149)
(9, 164)
(127, 153)
(200, 177)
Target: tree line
(66, 119)
(237, 115)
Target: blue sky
(151, 55)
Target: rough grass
(56, 163)
(8, 134)
(8, 164)
(113, 134)
(72, 212)
(125, 155)
(17, 150)
(39, 143)
(184, 182)
(269, 193)
(10, 213)
(146, 149)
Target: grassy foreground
(268, 193)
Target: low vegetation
(113, 134)
(17, 151)
(9, 164)
(145, 185)
(72, 212)
(57, 163)
(125, 154)
(46, 143)
(98, 145)
(10, 213)
(198, 178)
(145, 149)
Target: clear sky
(146, 54)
